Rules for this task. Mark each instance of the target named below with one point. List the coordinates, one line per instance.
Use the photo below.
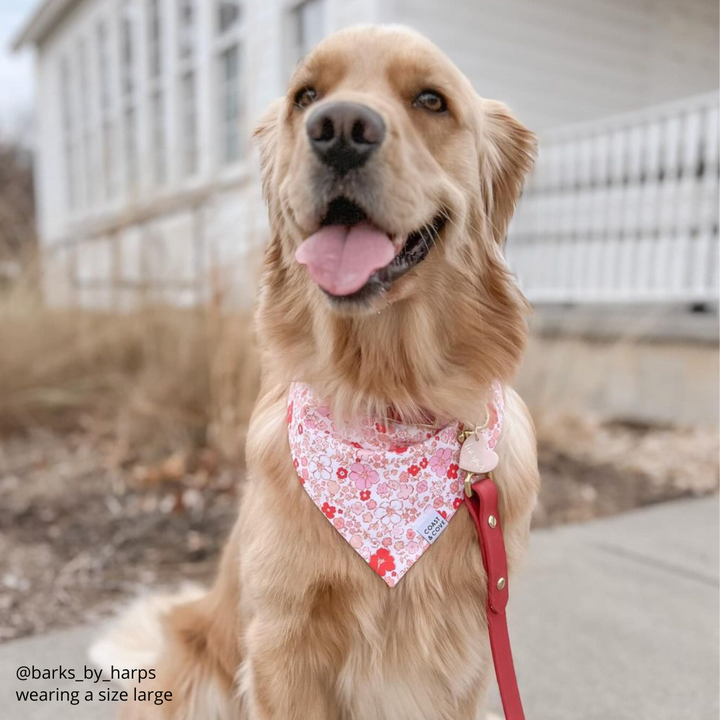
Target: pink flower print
(289, 413)
(411, 515)
(372, 504)
(440, 461)
(422, 487)
(320, 468)
(412, 547)
(387, 542)
(383, 490)
(363, 476)
(390, 513)
(438, 503)
(405, 492)
(410, 534)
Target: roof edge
(40, 22)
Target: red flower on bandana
(453, 471)
(414, 470)
(341, 473)
(457, 502)
(329, 510)
(399, 449)
(356, 445)
(382, 562)
(364, 495)
(424, 463)
(380, 428)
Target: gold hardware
(501, 584)
(463, 435)
(468, 485)
(492, 521)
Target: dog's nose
(345, 134)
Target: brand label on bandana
(389, 488)
(430, 525)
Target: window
(128, 24)
(187, 51)
(187, 28)
(228, 27)
(308, 27)
(189, 122)
(86, 120)
(157, 108)
(107, 126)
(156, 89)
(68, 130)
(155, 39)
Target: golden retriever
(379, 135)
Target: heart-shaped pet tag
(476, 456)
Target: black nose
(345, 134)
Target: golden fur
(297, 627)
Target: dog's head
(390, 182)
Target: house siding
(558, 62)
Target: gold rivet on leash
(492, 521)
(501, 584)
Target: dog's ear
(265, 136)
(507, 153)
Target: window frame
(187, 66)
(156, 37)
(225, 41)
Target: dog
(390, 185)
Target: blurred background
(132, 229)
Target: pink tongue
(341, 259)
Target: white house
(147, 186)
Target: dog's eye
(306, 96)
(431, 100)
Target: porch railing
(623, 210)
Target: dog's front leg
(287, 676)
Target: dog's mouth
(351, 259)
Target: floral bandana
(388, 488)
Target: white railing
(623, 210)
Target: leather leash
(484, 510)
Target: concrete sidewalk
(613, 620)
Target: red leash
(483, 508)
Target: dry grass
(159, 378)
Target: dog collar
(389, 488)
